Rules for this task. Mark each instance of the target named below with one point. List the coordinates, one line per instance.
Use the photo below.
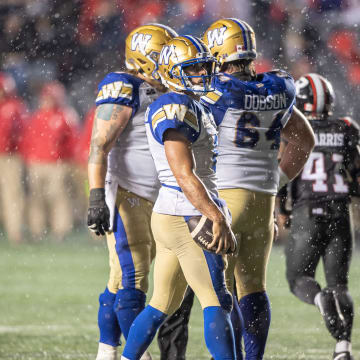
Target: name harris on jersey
(329, 139)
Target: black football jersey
(334, 162)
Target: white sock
(106, 352)
(343, 346)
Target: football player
(252, 111)
(182, 139)
(123, 182)
(320, 225)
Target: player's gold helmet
(143, 46)
(230, 39)
(179, 53)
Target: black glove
(98, 213)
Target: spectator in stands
(13, 113)
(83, 146)
(80, 183)
(48, 146)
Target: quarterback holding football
(182, 138)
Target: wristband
(97, 197)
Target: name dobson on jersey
(262, 102)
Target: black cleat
(345, 355)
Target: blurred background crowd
(53, 53)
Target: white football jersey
(180, 112)
(130, 164)
(250, 116)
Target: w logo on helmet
(140, 41)
(165, 54)
(216, 35)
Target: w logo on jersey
(165, 54)
(216, 35)
(140, 41)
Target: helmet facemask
(178, 71)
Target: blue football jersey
(182, 113)
(129, 162)
(250, 116)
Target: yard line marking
(39, 328)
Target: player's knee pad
(256, 312)
(129, 299)
(107, 298)
(304, 287)
(225, 300)
(107, 320)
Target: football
(200, 228)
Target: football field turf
(49, 299)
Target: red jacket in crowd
(13, 113)
(48, 137)
(83, 145)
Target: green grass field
(49, 298)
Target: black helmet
(315, 96)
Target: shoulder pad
(176, 111)
(280, 73)
(172, 98)
(118, 86)
(211, 97)
(174, 106)
(349, 122)
(224, 77)
(351, 126)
